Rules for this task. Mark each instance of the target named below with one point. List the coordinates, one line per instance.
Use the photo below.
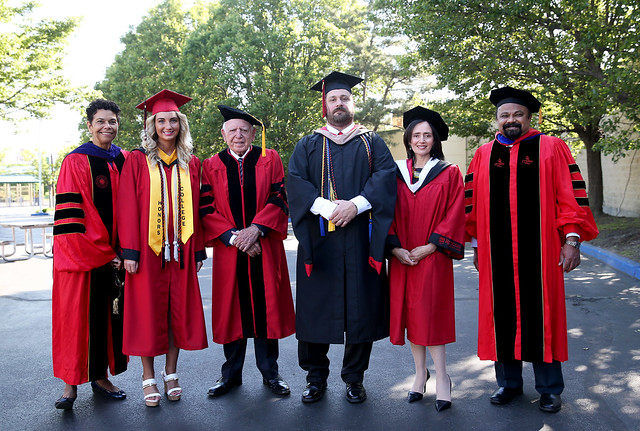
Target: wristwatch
(575, 244)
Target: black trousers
(266, 358)
(548, 376)
(313, 358)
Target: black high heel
(441, 404)
(417, 396)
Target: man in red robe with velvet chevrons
(527, 212)
(244, 210)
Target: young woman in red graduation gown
(426, 234)
(163, 248)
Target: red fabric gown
(86, 335)
(520, 204)
(422, 300)
(158, 296)
(252, 296)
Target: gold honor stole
(158, 196)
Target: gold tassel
(264, 140)
(540, 117)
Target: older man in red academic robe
(245, 216)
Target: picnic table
(27, 225)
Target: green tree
(393, 78)
(3, 154)
(30, 63)
(40, 162)
(148, 64)
(577, 56)
(258, 55)
(263, 56)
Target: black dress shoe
(313, 392)
(277, 385)
(356, 393)
(117, 395)
(550, 403)
(417, 396)
(505, 395)
(222, 386)
(63, 403)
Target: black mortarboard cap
(507, 94)
(229, 113)
(334, 81)
(432, 117)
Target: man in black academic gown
(342, 194)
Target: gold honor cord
(158, 221)
(326, 169)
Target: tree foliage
(148, 64)
(577, 56)
(263, 56)
(30, 63)
(257, 55)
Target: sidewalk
(602, 375)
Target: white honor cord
(176, 216)
(165, 193)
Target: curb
(620, 263)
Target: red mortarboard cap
(432, 117)
(333, 81)
(164, 101)
(503, 95)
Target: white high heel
(171, 393)
(148, 398)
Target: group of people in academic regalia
(376, 244)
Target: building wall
(621, 183)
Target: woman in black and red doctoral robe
(426, 234)
(162, 245)
(86, 300)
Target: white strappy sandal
(173, 394)
(148, 399)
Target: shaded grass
(620, 235)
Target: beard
(340, 117)
(512, 131)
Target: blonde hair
(184, 147)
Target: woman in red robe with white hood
(162, 245)
(426, 234)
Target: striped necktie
(240, 170)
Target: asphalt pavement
(602, 375)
